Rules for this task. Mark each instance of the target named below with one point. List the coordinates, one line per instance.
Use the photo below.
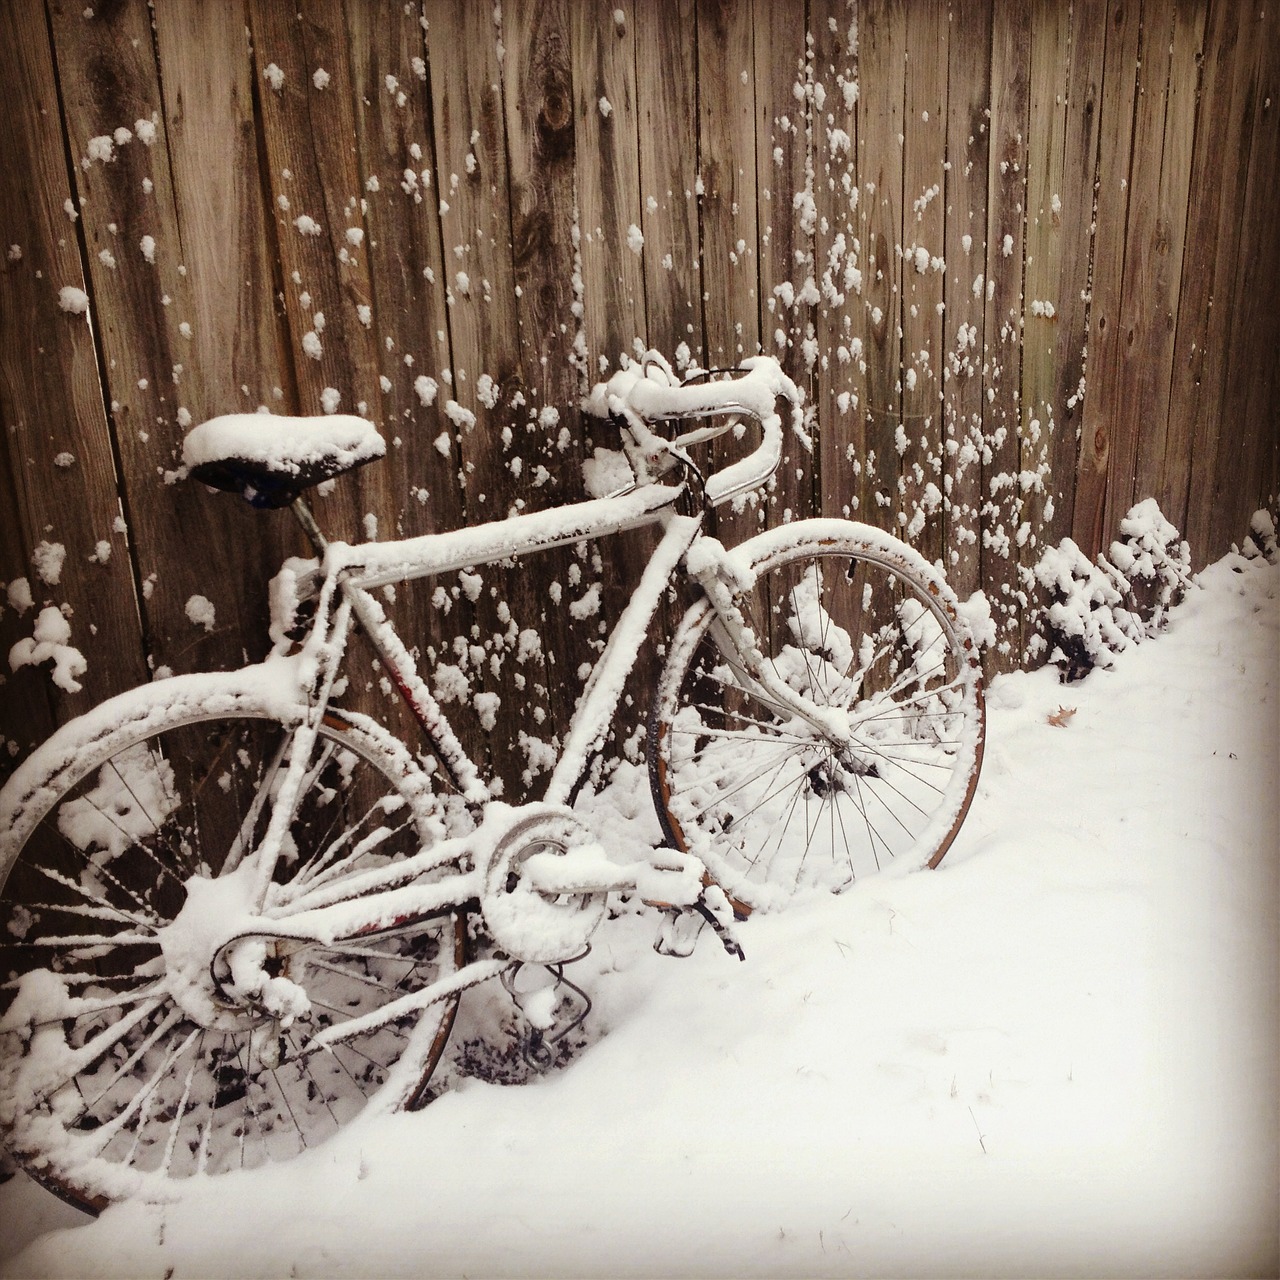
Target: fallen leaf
(1060, 717)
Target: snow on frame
(1055, 1054)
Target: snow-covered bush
(1261, 539)
(1097, 610)
(1086, 621)
(1150, 566)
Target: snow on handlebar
(650, 392)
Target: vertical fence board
(236, 358)
(786, 114)
(1120, 71)
(1080, 166)
(1155, 473)
(840, 394)
(635, 92)
(1131, 344)
(309, 136)
(609, 197)
(1223, 140)
(1253, 297)
(727, 167)
(488, 375)
(667, 119)
(149, 347)
(1044, 283)
(968, 146)
(51, 409)
(1262, 406)
(1002, 347)
(728, 219)
(882, 56)
(408, 319)
(923, 240)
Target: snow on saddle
(271, 458)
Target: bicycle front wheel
(117, 1075)
(853, 620)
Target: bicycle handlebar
(650, 392)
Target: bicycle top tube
(374, 564)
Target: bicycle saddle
(269, 459)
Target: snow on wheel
(122, 1065)
(854, 621)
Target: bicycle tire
(855, 620)
(113, 1081)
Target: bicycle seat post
(309, 526)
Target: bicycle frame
(342, 583)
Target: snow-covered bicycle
(235, 914)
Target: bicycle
(237, 914)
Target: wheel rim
(769, 804)
(114, 1076)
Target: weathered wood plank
(787, 115)
(570, 90)
(1002, 347)
(608, 187)
(968, 145)
(501, 442)
(1156, 249)
(727, 207)
(1205, 333)
(149, 345)
(727, 164)
(667, 119)
(1080, 165)
(1043, 271)
(1120, 88)
(309, 140)
(838, 255)
(408, 318)
(838, 260)
(1132, 347)
(1262, 408)
(882, 55)
(923, 240)
(28, 698)
(1254, 296)
(237, 350)
(1044, 285)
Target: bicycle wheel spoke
(721, 796)
(157, 824)
(782, 829)
(361, 978)
(176, 1127)
(56, 877)
(143, 1097)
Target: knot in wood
(555, 115)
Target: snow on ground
(1058, 1054)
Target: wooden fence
(1021, 256)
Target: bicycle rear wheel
(117, 1074)
(853, 620)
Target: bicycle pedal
(679, 933)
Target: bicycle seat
(269, 459)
